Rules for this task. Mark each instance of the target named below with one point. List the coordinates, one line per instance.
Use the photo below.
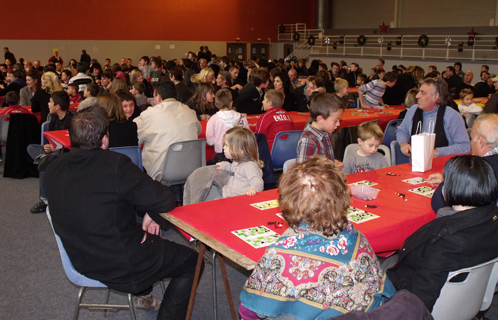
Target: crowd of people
(158, 103)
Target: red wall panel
(191, 20)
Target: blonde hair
(465, 92)
(134, 75)
(368, 130)
(111, 103)
(315, 191)
(275, 97)
(51, 82)
(242, 142)
(411, 98)
(340, 83)
(201, 76)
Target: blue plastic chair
(390, 131)
(44, 128)
(284, 147)
(134, 153)
(83, 282)
(397, 157)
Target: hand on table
(435, 154)
(150, 225)
(48, 148)
(435, 179)
(406, 149)
(251, 192)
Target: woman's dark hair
(35, 75)
(469, 181)
(96, 65)
(285, 81)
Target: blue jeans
(34, 150)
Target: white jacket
(159, 127)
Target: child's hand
(339, 164)
(48, 148)
(435, 179)
(218, 166)
(465, 114)
(251, 192)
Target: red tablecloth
(398, 218)
(350, 117)
(58, 138)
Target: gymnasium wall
(112, 28)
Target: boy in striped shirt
(372, 92)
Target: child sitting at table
(410, 100)
(137, 90)
(321, 266)
(366, 158)
(246, 176)
(12, 98)
(371, 93)
(220, 122)
(275, 119)
(341, 87)
(468, 109)
(361, 79)
(325, 112)
(72, 92)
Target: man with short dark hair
(250, 99)
(9, 55)
(167, 122)
(85, 57)
(103, 198)
(234, 75)
(81, 79)
(458, 69)
(451, 78)
(183, 93)
(335, 69)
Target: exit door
(236, 51)
(257, 50)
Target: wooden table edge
(221, 248)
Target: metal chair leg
(77, 309)
(107, 301)
(163, 287)
(132, 306)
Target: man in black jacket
(250, 100)
(93, 194)
(9, 55)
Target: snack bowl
(365, 192)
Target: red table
(212, 222)
(58, 139)
(350, 117)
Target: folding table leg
(227, 286)
(215, 304)
(196, 281)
